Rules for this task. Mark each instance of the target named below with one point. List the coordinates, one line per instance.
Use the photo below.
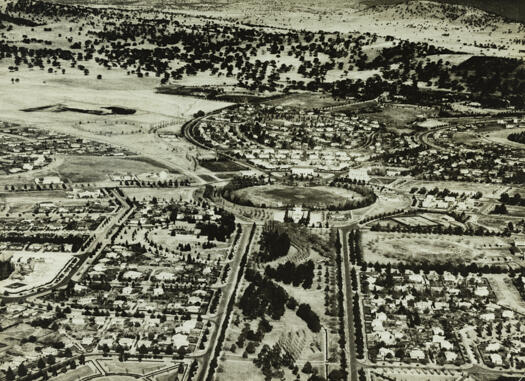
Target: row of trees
(340, 303)
(76, 240)
(443, 230)
(354, 247)
(440, 268)
(304, 311)
(229, 309)
(262, 296)
(358, 327)
(220, 231)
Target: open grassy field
(75, 374)
(400, 117)
(413, 374)
(238, 369)
(115, 89)
(33, 197)
(132, 367)
(85, 169)
(281, 195)
(500, 136)
(506, 292)
(516, 211)
(169, 376)
(419, 248)
(306, 101)
(184, 194)
(488, 190)
(222, 166)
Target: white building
(359, 174)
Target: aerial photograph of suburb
(262, 190)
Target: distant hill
(511, 9)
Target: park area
(431, 248)
(276, 196)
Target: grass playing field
(282, 195)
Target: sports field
(284, 195)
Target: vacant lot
(282, 195)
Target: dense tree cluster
(271, 360)
(310, 317)
(518, 137)
(262, 296)
(274, 244)
(499, 209)
(516, 199)
(219, 231)
(6, 268)
(290, 273)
